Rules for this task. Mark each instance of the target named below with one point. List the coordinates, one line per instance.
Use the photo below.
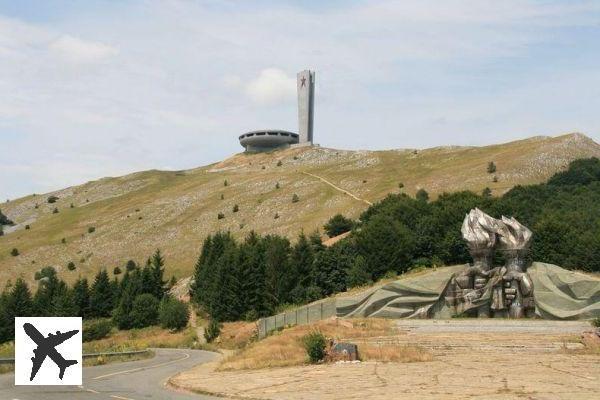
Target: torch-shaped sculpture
(514, 240)
(478, 230)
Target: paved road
(135, 380)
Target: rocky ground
(483, 359)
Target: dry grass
(285, 348)
(393, 353)
(174, 211)
(237, 335)
(141, 339)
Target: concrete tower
(306, 105)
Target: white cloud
(272, 86)
(81, 51)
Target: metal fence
(299, 316)
(90, 355)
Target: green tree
(422, 195)
(173, 314)
(330, 268)
(337, 225)
(386, 244)
(81, 297)
(358, 274)
(491, 167)
(101, 296)
(144, 311)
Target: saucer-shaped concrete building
(269, 139)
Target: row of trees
(139, 299)
(254, 277)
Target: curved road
(134, 380)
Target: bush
(277, 185)
(314, 344)
(63, 241)
(212, 331)
(55, 211)
(295, 198)
(71, 266)
(27, 227)
(400, 185)
(220, 216)
(491, 168)
(14, 252)
(225, 183)
(596, 322)
(116, 271)
(91, 229)
(276, 216)
(337, 225)
(130, 265)
(144, 311)
(279, 163)
(236, 208)
(173, 314)
(96, 330)
(422, 195)
(52, 199)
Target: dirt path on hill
(473, 359)
(338, 188)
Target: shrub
(236, 208)
(116, 271)
(314, 344)
(96, 330)
(596, 322)
(63, 241)
(225, 183)
(400, 185)
(91, 229)
(220, 216)
(279, 163)
(14, 252)
(222, 196)
(337, 225)
(276, 216)
(487, 192)
(212, 331)
(491, 168)
(71, 266)
(295, 198)
(72, 205)
(52, 199)
(173, 314)
(55, 211)
(277, 185)
(130, 265)
(422, 195)
(495, 179)
(144, 311)
(27, 227)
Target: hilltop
(174, 210)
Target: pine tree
(301, 261)
(81, 297)
(224, 302)
(101, 296)
(63, 302)
(47, 288)
(17, 304)
(330, 268)
(358, 274)
(158, 262)
(252, 277)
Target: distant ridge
(137, 213)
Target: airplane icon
(46, 347)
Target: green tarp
(558, 294)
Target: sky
(96, 88)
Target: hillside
(135, 214)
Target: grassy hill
(135, 214)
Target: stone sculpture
(494, 291)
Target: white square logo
(48, 351)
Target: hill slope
(135, 214)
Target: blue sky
(101, 88)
